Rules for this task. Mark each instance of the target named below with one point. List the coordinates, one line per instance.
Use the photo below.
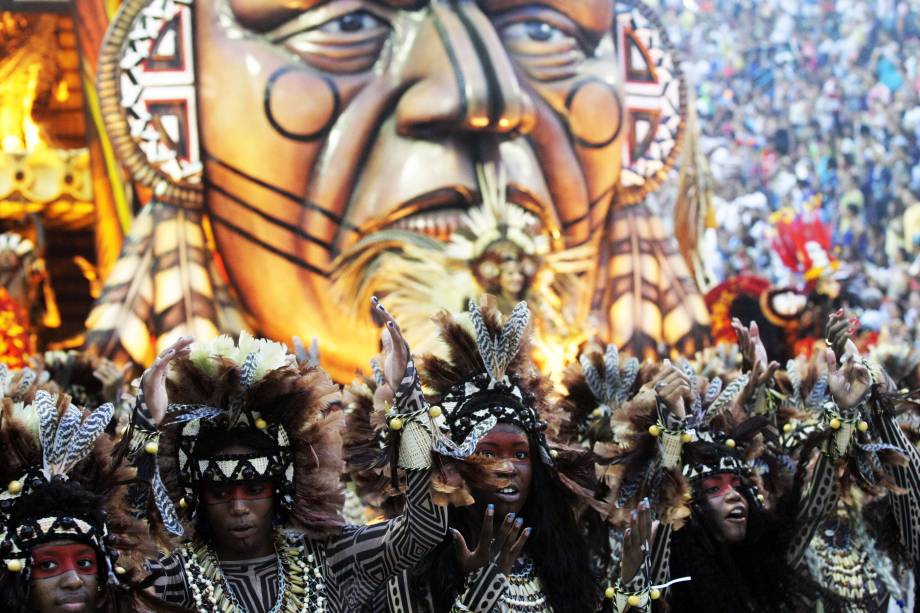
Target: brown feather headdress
(255, 389)
(485, 378)
(66, 482)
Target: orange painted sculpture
(275, 136)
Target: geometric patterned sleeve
(817, 502)
(906, 507)
(170, 584)
(364, 558)
(485, 588)
(660, 561)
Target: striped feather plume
(723, 402)
(510, 341)
(67, 427)
(696, 402)
(611, 373)
(795, 382)
(712, 391)
(592, 378)
(4, 379)
(627, 379)
(483, 340)
(47, 423)
(81, 443)
(27, 378)
(498, 353)
(818, 395)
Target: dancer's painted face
(509, 445)
(64, 577)
(239, 514)
(726, 507)
(323, 121)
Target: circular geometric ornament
(655, 94)
(146, 84)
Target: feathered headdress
(487, 378)
(253, 387)
(52, 452)
(598, 386)
(655, 458)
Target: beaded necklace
(300, 580)
(524, 593)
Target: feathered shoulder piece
(64, 483)
(256, 389)
(364, 446)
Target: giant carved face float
(290, 130)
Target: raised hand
(674, 389)
(395, 348)
(850, 384)
(838, 332)
(754, 354)
(503, 550)
(759, 375)
(154, 378)
(636, 542)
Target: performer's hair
(752, 575)
(556, 546)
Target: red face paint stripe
(53, 560)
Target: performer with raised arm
(515, 543)
(249, 460)
(695, 437)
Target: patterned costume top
(320, 564)
(487, 379)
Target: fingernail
(509, 518)
(527, 531)
(518, 522)
(390, 324)
(490, 509)
(838, 312)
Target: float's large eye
(358, 21)
(535, 30)
(545, 43)
(346, 43)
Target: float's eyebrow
(410, 5)
(593, 15)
